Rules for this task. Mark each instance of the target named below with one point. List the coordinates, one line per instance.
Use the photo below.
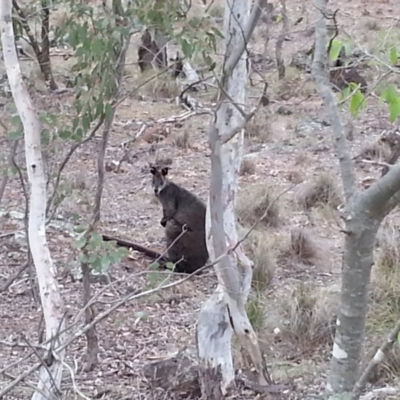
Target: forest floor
(288, 142)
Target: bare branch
(320, 73)
(247, 117)
(248, 31)
(376, 360)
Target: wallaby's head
(159, 178)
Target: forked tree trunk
(363, 214)
(53, 307)
(225, 312)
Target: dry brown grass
(258, 129)
(385, 289)
(301, 247)
(377, 151)
(262, 249)
(247, 166)
(253, 202)
(304, 317)
(181, 139)
(322, 191)
(158, 86)
(384, 308)
(256, 311)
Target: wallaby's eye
(152, 170)
(164, 171)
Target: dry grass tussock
(302, 247)
(255, 200)
(384, 309)
(305, 317)
(156, 85)
(256, 311)
(322, 191)
(258, 129)
(247, 166)
(181, 139)
(262, 249)
(377, 151)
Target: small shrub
(322, 191)
(255, 201)
(247, 167)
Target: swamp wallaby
(182, 210)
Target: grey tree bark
(50, 373)
(363, 214)
(225, 313)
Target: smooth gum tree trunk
(52, 304)
(225, 312)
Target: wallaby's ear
(164, 171)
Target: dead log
(137, 247)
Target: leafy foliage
(100, 255)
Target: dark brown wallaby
(182, 210)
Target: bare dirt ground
(154, 327)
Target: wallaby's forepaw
(163, 222)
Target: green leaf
(64, 134)
(81, 242)
(393, 56)
(217, 32)
(15, 134)
(335, 49)
(108, 111)
(357, 103)
(170, 266)
(390, 94)
(398, 337)
(154, 266)
(187, 48)
(394, 110)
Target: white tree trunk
(225, 312)
(53, 307)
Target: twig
(19, 379)
(376, 360)
(14, 277)
(247, 117)
(64, 163)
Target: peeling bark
(225, 312)
(53, 308)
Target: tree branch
(234, 58)
(320, 73)
(376, 360)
